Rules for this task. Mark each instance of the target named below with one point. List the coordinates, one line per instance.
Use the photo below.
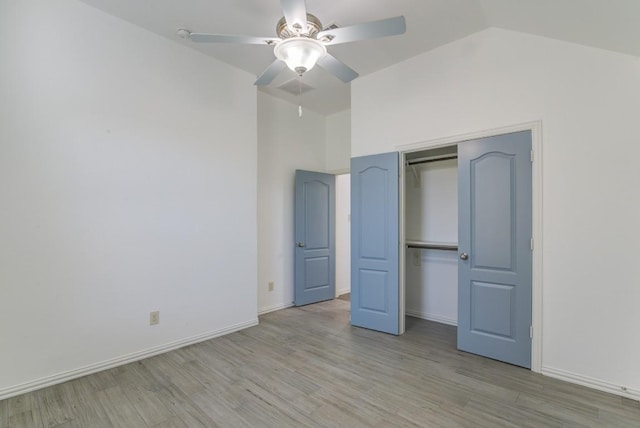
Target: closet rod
(433, 246)
(431, 159)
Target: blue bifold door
(314, 245)
(494, 232)
(375, 243)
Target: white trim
(343, 291)
(536, 285)
(119, 361)
(431, 317)
(341, 171)
(456, 139)
(402, 264)
(590, 382)
(274, 308)
(537, 232)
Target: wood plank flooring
(308, 367)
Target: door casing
(536, 291)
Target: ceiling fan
(301, 41)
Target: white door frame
(336, 174)
(537, 286)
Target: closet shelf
(432, 245)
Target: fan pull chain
(299, 95)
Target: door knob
(464, 256)
(300, 244)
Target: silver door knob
(464, 256)
(300, 244)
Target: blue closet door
(374, 242)
(494, 232)
(315, 250)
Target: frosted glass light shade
(300, 53)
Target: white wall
(343, 234)
(338, 157)
(285, 143)
(432, 203)
(431, 212)
(588, 100)
(128, 184)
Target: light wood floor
(308, 367)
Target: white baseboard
(343, 291)
(590, 382)
(119, 361)
(431, 317)
(274, 308)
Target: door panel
(314, 237)
(374, 242)
(495, 230)
(492, 209)
(316, 196)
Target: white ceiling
(608, 24)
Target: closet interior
(431, 234)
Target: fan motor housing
(314, 26)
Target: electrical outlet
(154, 318)
(270, 285)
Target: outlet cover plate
(154, 318)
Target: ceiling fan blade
(295, 12)
(232, 38)
(368, 30)
(270, 73)
(337, 68)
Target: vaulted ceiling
(607, 24)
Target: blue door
(494, 233)
(315, 250)
(374, 242)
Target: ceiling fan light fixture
(300, 53)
